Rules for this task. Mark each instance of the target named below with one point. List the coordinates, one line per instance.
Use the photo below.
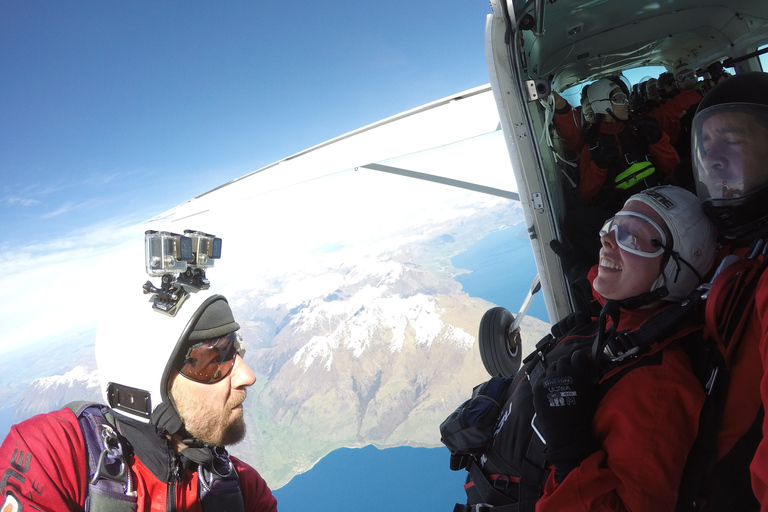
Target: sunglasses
(636, 233)
(211, 360)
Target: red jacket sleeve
(256, 494)
(42, 462)
(664, 155)
(759, 466)
(568, 127)
(591, 177)
(646, 425)
(668, 114)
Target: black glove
(569, 323)
(604, 155)
(648, 127)
(565, 399)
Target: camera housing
(180, 261)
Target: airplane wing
(456, 141)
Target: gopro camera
(205, 248)
(166, 253)
(180, 261)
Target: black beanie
(215, 321)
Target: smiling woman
(580, 404)
(657, 247)
(631, 253)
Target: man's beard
(234, 433)
(211, 429)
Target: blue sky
(113, 111)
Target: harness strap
(219, 486)
(669, 324)
(533, 473)
(507, 493)
(729, 486)
(109, 479)
(482, 490)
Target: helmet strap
(611, 309)
(644, 299)
(675, 256)
(610, 113)
(167, 420)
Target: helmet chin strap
(610, 113)
(167, 420)
(644, 299)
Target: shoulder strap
(664, 325)
(109, 478)
(220, 484)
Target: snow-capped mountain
(356, 347)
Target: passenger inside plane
(622, 141)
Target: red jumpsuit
(592, 177)
(645, 424)
(759, 466)
(668, 115)
(748, 386)
(42, 462)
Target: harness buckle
(111, 463)
(501, 483)
(621, 355)
(482, 507)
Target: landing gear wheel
(500, 350)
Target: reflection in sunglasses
(210, 361)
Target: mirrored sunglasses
(636, 233)
(210, 361)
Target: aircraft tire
(501, 353)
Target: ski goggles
(636, 233)
(211, 360)
(619, 99)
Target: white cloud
(24, 202)
(281, 221)
(70, 207)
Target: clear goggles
(619, 99)
(636, 233)
(685, 77)
(211, 360)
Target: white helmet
(599, 93)
(138, 348)
(692, 251)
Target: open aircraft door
(539, 194)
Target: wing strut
(445, 181)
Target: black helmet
(730, 154)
